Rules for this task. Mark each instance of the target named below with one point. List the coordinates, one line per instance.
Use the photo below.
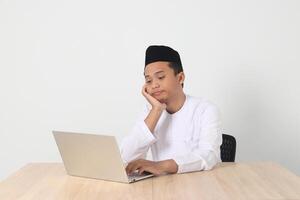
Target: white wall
(78, 66)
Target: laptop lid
(92, 156)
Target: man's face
(161, 82)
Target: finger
(144, 89)
(128, 167)
(141, 170)
(149, 97)
(134, 167)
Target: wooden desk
(260, 180)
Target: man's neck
(176, 104)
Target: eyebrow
(154, 73)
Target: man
(183, 132)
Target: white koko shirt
(191, 137)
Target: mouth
(157, 93)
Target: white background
(78, 66)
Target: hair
(177, 67)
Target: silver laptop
(93, 156)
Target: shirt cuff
(186, 164)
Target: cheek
(166, 85)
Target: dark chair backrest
(228, 148)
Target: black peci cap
(156, 53)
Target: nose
(155, 85)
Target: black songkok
(156, 53)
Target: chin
(162, 100)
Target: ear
(181, 77)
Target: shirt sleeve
(205, 150)
(137, 143)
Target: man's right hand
(156, 111)
(156, 105)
